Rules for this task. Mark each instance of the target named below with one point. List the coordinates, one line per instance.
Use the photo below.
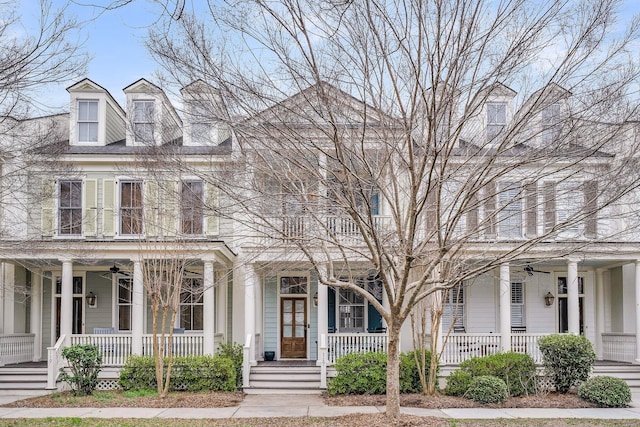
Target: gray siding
(230, 309)
(20, 313)
(46, 315)
(313, 317)
(115, 126)
(99, 282)
(270, 327)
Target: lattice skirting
(107, 384)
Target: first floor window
(131, 207)
(453, 310)
(191, 305)
(125, 287)
(517, 306)
(293, 285)
(70, 207)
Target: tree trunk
(435, 356)
(393, 374)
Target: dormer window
(496, 119)
(143, 114)
(88, 120)
(550, 118)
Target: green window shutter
(90, 207)
(170, 203)
(109, 208)
(48, 207)
(213, 223)
(151, 208)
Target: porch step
(284, 380)
(27, 379)
(629, 373)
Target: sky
(115, 41)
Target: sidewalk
(262, 406)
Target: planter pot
(269, 355)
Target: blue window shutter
(374, 318)
(331, 295)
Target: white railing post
(322, 356)
(54, 358)
(246, 363)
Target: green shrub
(457, 383)
(192, 373)
(568, 359)
(85, 363)
(409, 374)
(517, 370)
(606, 392)
(360, 373)
(487, 389)
(234, 353)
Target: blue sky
(114, 39)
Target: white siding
(481, 305)
(540, 319)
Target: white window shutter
(212, 219)
(170, 208)
(549, 196)
(517, 305)
(591, 209)
(531, 210)
(151, 212)
(90, 216)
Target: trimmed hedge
(516, 370)
(487, 389)
(606, 392)
(201, 373)
(458, 383)
(366, 373)
(567, 358)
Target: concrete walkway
(264, 406)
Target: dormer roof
(145, 86)
(87, 85)
(499, 89)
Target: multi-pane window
(293, 285)
(143, 117)
(70, 207)
(496, 119)
(510, 214)
(517, 306)
(191, 305)
(88, 120)
(352, 308)
(191, 206)
(200, 122)
(130, 207)
(550, 118)
(125, 292)
(453, 309)
(569, 205)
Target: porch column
(250, 310)
(573, 308)
(36, 314)
(599, 311)
(505, 308)
(323, 309)
(209, 314)
(223, 281)
(8, 304)
(66, 298)
(137, 308)
(637, 311)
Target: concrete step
(272, 391)
(284, 380)
(285, 384)
(15, 379)
(285, 377)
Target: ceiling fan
(530, 270)
(115, 270)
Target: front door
(78, 302)
(293, 327)
(563, 306)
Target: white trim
(55, 274)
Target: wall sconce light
(92, 300)
(315, 300)
(548, 299)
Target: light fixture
(114, 269)
(92, 300)
(548, 299)
(315, 300)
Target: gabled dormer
(497, 111)
(96, 119)
(550, 108)
(205, 115)
(152, 120)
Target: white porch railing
(258, 348)
(341, 344)
(183, 344)
(16, 348)
(461, 347)
(55, 362)
(115, 348)
(246, 362)
(527, 343)
(619, 347)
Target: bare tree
(428, 141)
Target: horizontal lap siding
(99, 282)
(270, 326)
(481, 305)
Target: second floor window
(70, 207)
(131, 207)
(143, 113)
(191, 206)
(88, 121)
(510, 214)
(496, 119)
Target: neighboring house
(125, 185)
